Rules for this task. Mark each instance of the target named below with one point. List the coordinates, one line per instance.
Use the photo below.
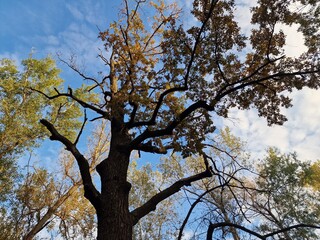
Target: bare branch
(193, 205)
(91, 193)
(136, 8)
(151, 149)
(301, 225)
(151, 205)
(74, 68)
(213, 226)
(82, 127)
(70, 95)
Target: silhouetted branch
(90, 192)
(82, 127)
(193, 205)
(172, 125)
(151, 149)
(70, 95)
(151, 205)
(162, 96)
(213, 226)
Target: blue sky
(51, 26)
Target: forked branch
(172, 125)
(193, 205)
(90, 192)
(70, 94)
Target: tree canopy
(166, 83)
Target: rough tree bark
(114, 218)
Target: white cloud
(82, 41)
(188, 234)
(243, 15)
(92, 11)
(294, 41)
(12, 56)
(52, 40)
(300, 133)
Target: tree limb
(241, 84)
(213, 226)
(90, 192)
(151, 149)
(45, 219)
(193, 205)
(82, 127)
(172, 125)
(210, 107)
(70, 95)
(151, 205)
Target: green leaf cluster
(290, 193)
(21, 108)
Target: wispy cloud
(300, 133)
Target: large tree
(165, 83)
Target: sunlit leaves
(287, 198)
(8, 175)
(147, 182)
(21, 107)
(312, 176)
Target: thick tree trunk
(115, 226)
(114, 218)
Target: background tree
(55, 200)
(221, 198)
(52, 201)
(276, 203)
(146, 183)
(21, 108)
(163, 80)
(44, 200)
(286, 200)
(271, 195)
(312, 176)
